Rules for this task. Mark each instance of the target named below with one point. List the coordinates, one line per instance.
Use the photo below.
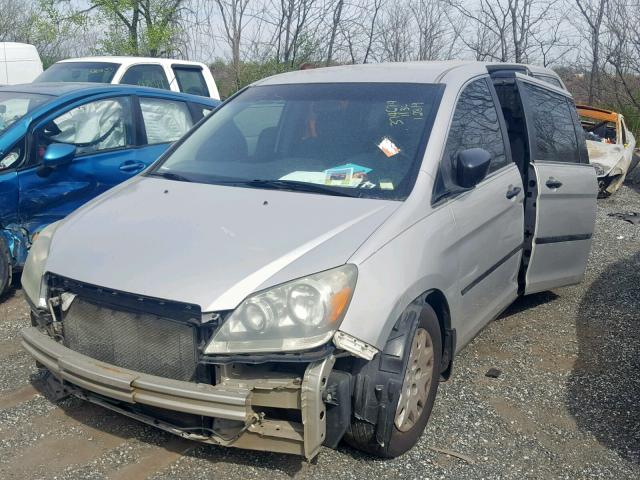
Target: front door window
(93, 127)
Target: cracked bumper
(239, 400)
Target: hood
(208, 245)
(607, 155)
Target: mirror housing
(472, 166)
(58, 154)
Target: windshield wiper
(169, 176)
(291, 185)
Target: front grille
(137, 341)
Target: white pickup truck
(176, 75)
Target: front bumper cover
(234, 399)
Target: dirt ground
(566, 404)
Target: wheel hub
(417, 381)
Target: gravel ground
(564, 406)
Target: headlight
(294, 316)
(34, 266)
(599, 169)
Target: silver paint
(213, 245)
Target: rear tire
(6, 268)
(413, 407)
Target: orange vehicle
(610, 144)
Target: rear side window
(551, 126)
(190, 80)
(165, 120)
(146, 76)
(475, 125)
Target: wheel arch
(437, 300)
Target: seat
(266, 144)
(227, 144)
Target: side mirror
(472, 166)
(58, 154)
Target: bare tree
(437, 39)
(294, 23)
(395, 34)
(233, 21)
(593, 13)
(624, 53)
(489, 40)
(553, 44)
(362, 30)
(508, 24)
(526, 22)
(376, 7)
(335, 25)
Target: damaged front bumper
(608, 184)
(242, 405)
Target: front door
(103, 134)
(489, 218)
(565, 185)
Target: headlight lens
(294, 316)
(307, 305)
(35, 265)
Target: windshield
(93, 72)
(352, 139)
(15, 105)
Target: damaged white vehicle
(304, 265)
(610, 144)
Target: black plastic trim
(254, 359)
(448, 353)
(491, 270)
(337, 398)
(562, 238)
(170, 309)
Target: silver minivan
(304, 265)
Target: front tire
(419, 379)
(6, 268)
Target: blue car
(62, 144)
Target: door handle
(553, 183)
(131, 166)
(513, 192)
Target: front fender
(418, 260)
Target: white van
(165, 73)
(19, 63)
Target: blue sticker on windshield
(356, 168)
